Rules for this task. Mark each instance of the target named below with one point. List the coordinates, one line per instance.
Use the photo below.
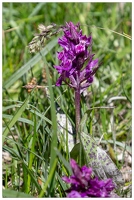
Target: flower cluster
(84, 185)
(77, 66)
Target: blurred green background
(20, 22)
(111, 29)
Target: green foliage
(14, 194)
(37, 160)
(98, 159)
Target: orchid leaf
(98, 159)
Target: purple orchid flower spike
(74, 56)
(77, 66)
(84, 185)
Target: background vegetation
(32, 160)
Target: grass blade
(37, 9)
(15, 117)
(24, 69)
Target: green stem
(77, 113)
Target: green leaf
(15, 117)
(49, 179)
(75, 154)
(75, 151)
(62, 184)
(100, 162)
(32, 175)
(66, 164)
(83, 121)
(31, 157)
(20, 119)
(6, 193)
(37, 9)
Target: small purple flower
(77, 67)
(84, 185)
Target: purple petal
(92, 65)
(74, 194)
(72, 180)
(87, 84)
(86, 41)
(63, 42)
(75, 167)
(90, 79)
(86, 172)
(61, 55)
(67, 65)
(59, 69)
(66, 179)
(79, 49)
(73, 81)
(59, 81)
